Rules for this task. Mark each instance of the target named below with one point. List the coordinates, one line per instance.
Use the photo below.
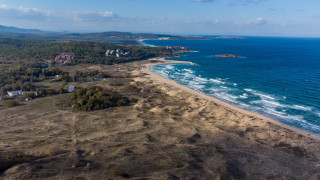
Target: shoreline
(175, 84)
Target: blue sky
(210, 17)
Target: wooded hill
(27, 51)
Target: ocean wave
(195, 85)
(271, 103)
(263, 96)
(202, 80)
(226, 97)
(216, 81)
(304, 108)
(243, 96)
(249, 90)
(169, 66)
(188, 70)
(224, 87)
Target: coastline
(161, 79)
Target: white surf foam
(188, 70)
(304, 108)
(226, 97)
(243, 96)
(170, 67)
(215, 81)
(271, 103)
(202, 80)
(263, 96)
(249, 90)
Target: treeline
(23, 50)
(95, 98)
(23, 77)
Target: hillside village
(68, 57)
(64, 57)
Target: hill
(10, 29)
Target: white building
(71, 88)
(15, 93)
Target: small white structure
(97, 79)
(15, 93)
(71, 88)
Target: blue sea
(276, 77)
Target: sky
(187, 17)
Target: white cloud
(255, 21)
(22, 12)
(36, 14)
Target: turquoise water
(277, 77)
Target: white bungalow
(71, 88)
(15, 93)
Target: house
(15, 93)
(97, 79)
(71, 88)
(64, 57)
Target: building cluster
(64, 57)
(178, 48)
(164, 38)
(19, 93)
(118, 53)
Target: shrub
(8, 160)
(11, 103)
(29, 95)
(95, 98)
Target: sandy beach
(228, 106)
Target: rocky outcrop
(229, 56)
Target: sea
(276, 77)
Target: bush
(46, 92)
(10, 159)
(11, 103)
(29, 95)
(96, 98)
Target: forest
(38, 51)
(24, 62)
